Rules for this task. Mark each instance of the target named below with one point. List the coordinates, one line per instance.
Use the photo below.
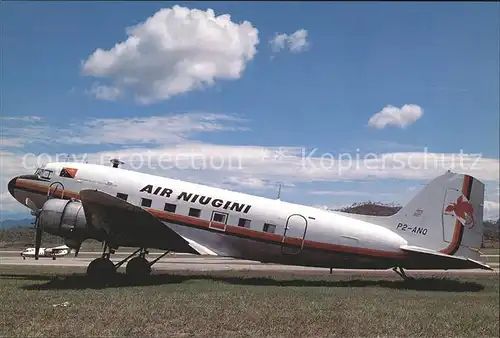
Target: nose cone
(11, 186)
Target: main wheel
(101, 269)
(138, 267)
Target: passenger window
(243, 222)
(269, 228)
(194, 212)
(169, 207)
(122, 196)
(145, 202)
(219, 217)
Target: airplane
(58, 251)
(440, 228)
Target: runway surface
(212, 263)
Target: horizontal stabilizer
(422, 258)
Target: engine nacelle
(64, 218)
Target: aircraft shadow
(77, 282)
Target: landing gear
(401, 272)
(138, 267)
(102, 268)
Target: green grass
(245, 304)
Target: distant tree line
(371, 208)
(23, 236)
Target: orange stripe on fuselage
(42, 188)
(459, 228)
(236, 230)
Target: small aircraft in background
(54, 252)
(440, 228)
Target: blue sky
(360, 58)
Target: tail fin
(446, 216)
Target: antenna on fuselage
(115, 162)
(279, 191)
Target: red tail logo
(463, 211)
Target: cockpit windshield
(43, 173)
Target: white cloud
(330, 207)
(11, 143)
(295, 42)
(171, 140)
(21, 118)
(167, 146)
(348, 193)
(382, 146)
(175, 51)
(261, 162)
(11, 166)
(391, 115)
(160, 129)
(103, 92)
(246, 182)
(253, 183)
(492, 201)
(491, 210)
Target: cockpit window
(38, 171)
(46, 173)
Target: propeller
(30, 204)
(38, 225)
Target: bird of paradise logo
(462, 209)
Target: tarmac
(177, 262)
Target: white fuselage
(231, 223)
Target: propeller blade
(30, 204)
(34, 210)
(38, 238)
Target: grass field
(248, 304)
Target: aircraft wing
(429, 259)
(131, 225)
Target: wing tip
(481, 265)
